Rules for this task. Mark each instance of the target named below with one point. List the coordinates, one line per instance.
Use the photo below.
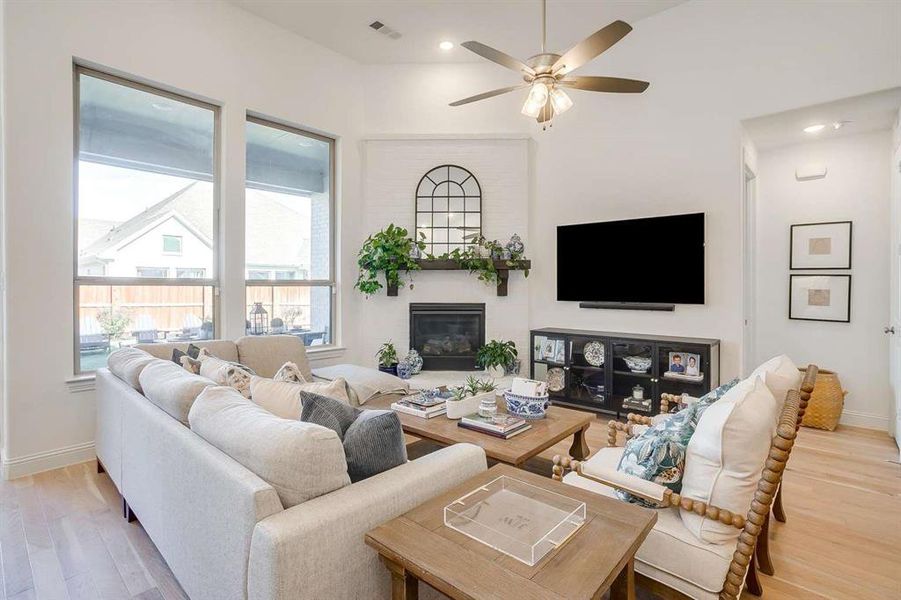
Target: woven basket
(826, 402)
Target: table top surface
(461, 567)
(559, 424)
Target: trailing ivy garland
(392, 251)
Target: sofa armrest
(317, 549)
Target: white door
(893, 329)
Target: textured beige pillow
(290, 372)
(172, 388)
(282, 398)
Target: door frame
(749, 267)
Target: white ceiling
(870, 112)
(513, 26)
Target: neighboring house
(178, 233)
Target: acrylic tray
(519, 519)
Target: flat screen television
(657, 260)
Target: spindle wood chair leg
(778, 511)
(764, 561)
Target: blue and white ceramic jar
(415, 360)
(404, 369)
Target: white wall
(208, 49)
(674, 149)
(391, 173)
(855, 189)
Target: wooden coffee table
(418, 547)
(559, 424)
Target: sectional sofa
(223, 529)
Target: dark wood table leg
(778, 511)
(763, 549)
(580, 450)
(623, 587)
(404, 585)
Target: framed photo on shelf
(538, 348)
(820, 245)
(550, 347)
(820, 298)
(560, 352)
(685, 366)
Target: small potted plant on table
(466, 399)
(496, 356)
(387, 356)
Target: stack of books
(420, 406)
(502, 426)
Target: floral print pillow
(658, 454)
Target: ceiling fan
(548, 73)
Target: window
(190, 273)
(145, 223)
(289, 238)
(171, 244)
(156, 272)
(448, 209)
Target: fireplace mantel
(503, 268)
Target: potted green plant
(496, 356)
(387, 356)
(465, 400)
(391, 251)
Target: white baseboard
(866, 420)
(46, 461)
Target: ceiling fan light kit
(545, 74)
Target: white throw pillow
(282, 398)
(780, 375)
(726, 455)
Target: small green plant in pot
(496, 356)
(387, 356)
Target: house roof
(191, 203)
(268, 214)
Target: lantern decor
(259, 319)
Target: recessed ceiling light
(814, 128)
(446, 45)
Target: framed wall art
(820, 245)
(820, 298)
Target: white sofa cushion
(172, 388)
(300, 460)
(282, 398)
(127, 364)
(726, 455)
(266, 354)
(670, 554)
(780, 375)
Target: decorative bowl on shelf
(638, 364)
(527, 407)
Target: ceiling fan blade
(590, 47)
(490, 94)
(498, 57)
(617, 85)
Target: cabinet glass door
(634, 376)
(587, 377)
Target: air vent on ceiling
(385, 30)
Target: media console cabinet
(599, 370)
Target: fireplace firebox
(448, 336)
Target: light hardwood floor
(62, 534)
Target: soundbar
(629, 306)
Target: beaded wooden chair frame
(754, 525)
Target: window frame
(84, 280)
(331, 283)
